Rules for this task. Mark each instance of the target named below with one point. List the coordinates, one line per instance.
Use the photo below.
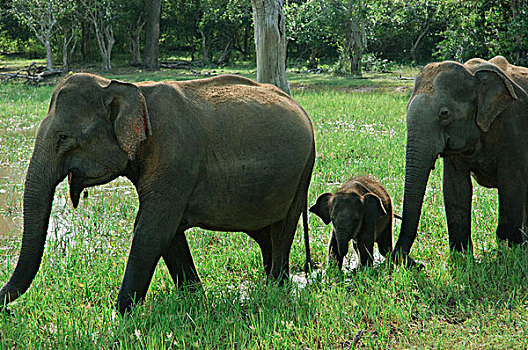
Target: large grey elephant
(475, 116)
(223, 153)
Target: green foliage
(320, 32)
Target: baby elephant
(361, 210)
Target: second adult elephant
(223, 153)
(475, 116)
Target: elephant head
(91, 132)
(452, 107)
(349, 213)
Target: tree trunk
(152, 35)
(134, 39)
(69, 42)
(416, 44)
(49, 55)
(205, 52)
(270, 42)
(105, 40)
(224, 57)
(86, 47)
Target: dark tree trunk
(86, 46)
(152, 34)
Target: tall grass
(456, 302)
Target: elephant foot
(310, 265)
(4, 310)
(407, 262)
(124, 307)
(192, 286)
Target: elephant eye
(445, 116)
(61, 139)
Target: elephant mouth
(76, 187)
(467, 152)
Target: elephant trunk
(342, 237)
(38, 197)
(420, 159)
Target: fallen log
(32, 74)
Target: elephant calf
(223, 153)
(361, 211)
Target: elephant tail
(309, 264)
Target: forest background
(338, 36)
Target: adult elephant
(222, 153)
(475, 116)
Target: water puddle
(10, 201)
(350, 267)
(11, 214)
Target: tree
(520, 30)
(405, 30)
(351, 21)
(310, 31)
(67, 23)
(101, 14)
(132, 16)
(40, 16)
(179, 25)
(152, 35)
(270, 42)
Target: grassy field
(456, 302)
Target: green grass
(456, 302)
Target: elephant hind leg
(365, 250)
(179, 261)
(282, 234)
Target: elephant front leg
(458, 192)
(153, 232)
(141, 264)
(365, 245)
(333, 253)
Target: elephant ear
(496, 93)
(321, 208)
(129, 115)
(373, 207)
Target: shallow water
(350, 265)
(10, 200)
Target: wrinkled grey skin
(223, 153)
(360, 211)
(475, 116)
